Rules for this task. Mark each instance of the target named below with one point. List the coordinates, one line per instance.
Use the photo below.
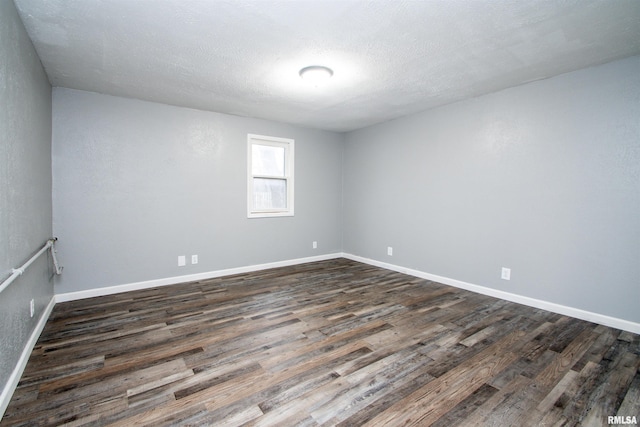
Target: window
(270, 181)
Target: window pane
(269, 193)
(267, 160)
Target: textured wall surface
(543, 178)
(25, 185)
(136, 184)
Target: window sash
(258, 200)
(274, 199)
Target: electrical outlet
(506, 273)
(182, 261)
(194, 259)
(389, 251)
(315, 245)
(32, 307)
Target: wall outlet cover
(182, 261)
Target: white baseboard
(602, 319)
(589, 316)
(90, 293)
(12, 383)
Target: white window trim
(288, 145)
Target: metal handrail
(15, 272)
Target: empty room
(319, 212)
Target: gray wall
(135, 184)
(25, 185)
(543, 178)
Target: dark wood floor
(327, 343)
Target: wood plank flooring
(327, 343)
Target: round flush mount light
(316, 74)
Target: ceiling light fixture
(316, 74)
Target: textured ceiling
(390, 57)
